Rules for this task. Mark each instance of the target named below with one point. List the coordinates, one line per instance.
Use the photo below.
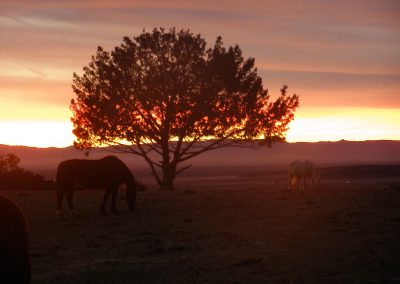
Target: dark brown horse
(14, 250)
(109, 173)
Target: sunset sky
(341, 57)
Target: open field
(224, 229)
(226, 161)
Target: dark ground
(225, 229)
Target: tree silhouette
(12, 176)
(8, 163)
(164, 96)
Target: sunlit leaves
(166, 89)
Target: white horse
(302, 170)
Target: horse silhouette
(108, 172)
(301, 171)
(14, 249)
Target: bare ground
(230, 229)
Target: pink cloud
(291, 41)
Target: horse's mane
(114, 160)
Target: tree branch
(182, 169)
(150, 162)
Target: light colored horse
(302, 170)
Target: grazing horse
(108, 172)
(15, 265)
(302, 170)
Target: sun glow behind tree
(166, 92)
(309, 125)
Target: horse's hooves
(59, 217)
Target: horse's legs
(105, 198)
(298, 180)
(293, 181)
(113, 200)
(70, 194)
(60, 197)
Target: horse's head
(140, 186)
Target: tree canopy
(162, 94)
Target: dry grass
(222, 230)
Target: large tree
(165, 96)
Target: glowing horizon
(309, 125)
(352, 124)
(39, 133)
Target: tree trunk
(168, 169)
(168, 177)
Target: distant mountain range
(45, 160)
